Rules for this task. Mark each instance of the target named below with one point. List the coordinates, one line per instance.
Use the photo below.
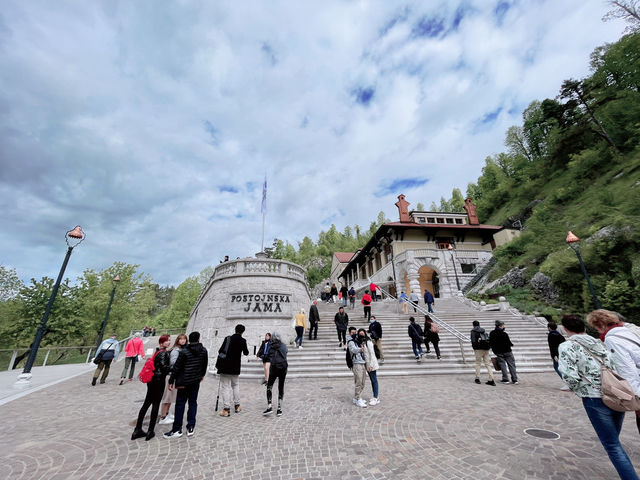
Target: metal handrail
(453, 331)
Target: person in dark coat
(554, 338)
(501, 346)
(229, 370)
(429, 300)
(263, 354)
(416, 334)
(334, 293)
(431, 336)
(279, 366)
(344, 292)
(186, 375)
(155, 390)
(314, 318)
(342, 323)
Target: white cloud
(128, 118)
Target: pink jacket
(134, 347)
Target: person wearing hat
(501, 346)
(108, 350)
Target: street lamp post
(73, 238)
(116, 280)
(450, 248)
(572, 240)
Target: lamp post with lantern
(73, 238)
(451, 249)
(116, 280)
(573, 241)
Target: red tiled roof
(344, 257)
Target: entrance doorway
(429, 280)
(392, 287)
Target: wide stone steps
(323, 357)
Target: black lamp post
(73, 238)
(116, 280)
(572, 240)
(450, 248)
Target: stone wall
(262, 294)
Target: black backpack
(482, 340)
(349, 357)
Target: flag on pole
(264, 196)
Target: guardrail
(462, 339)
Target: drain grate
(540, 433)
(326, 388)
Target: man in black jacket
(228, 367)
(555, 338)
(375, 331)
(501, 346)
(186, 375)
(314, 318)
(342, 322)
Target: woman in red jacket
(366, 301)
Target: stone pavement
(435, 427)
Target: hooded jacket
(579, 370)
(476, 333)
(278, 352)
(624, 346)
(190, 366)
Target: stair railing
(462, 339)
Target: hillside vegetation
(574, 164)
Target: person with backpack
(107, 351)
(416, 334)
(187, 373)
(375, 332)
(366, 303)
(341, 320)
(155, 389)
(352, 297)
(501, 345)
(580, 360)
(431, 334)
(278, 369)
(429, 300)
(370, 364)
(229, 367)
(356, 361)
(480, 344)
(623, 340)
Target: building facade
(435, 251)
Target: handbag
(98, 358)
(496, 364)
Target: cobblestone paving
(431, 427)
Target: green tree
(10, 284)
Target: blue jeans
(374, 383)
(607, 423)
(300, 334)
(190, 394)
(555, 367)
(416, 345)
(430, 307)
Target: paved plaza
(431, 427)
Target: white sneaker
(166, 421)
(355, 401)
(374, 401)
(564, 387)
(300, 347)
(361, 403)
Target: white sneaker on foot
(355, 401)
(166, 421)
(564, 388)
(361, 403)
(374, 401)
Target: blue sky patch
(501, 10)
(212, 131)
(491, 116)
(364, 95)
(457, 18)
(269, 53)
(228, 189)
(428, 27)
(397, 186)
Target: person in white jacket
(623, 341)
(371, 364)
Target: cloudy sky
(153, 124)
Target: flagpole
(262, 249)
(263, 207)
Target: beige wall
(416, 239)
(506, 235)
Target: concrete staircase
(323, 357)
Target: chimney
(403, 209)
